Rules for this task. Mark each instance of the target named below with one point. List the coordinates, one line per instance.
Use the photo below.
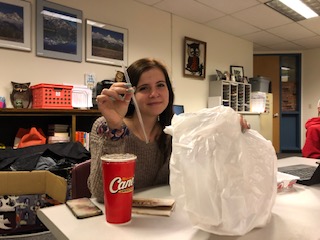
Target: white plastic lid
(118, 157)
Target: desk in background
(295, 217)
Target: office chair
(79, 177)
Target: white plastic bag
(223, 178)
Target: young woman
(119, 129)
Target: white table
(296, 216)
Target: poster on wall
(106, 44)
(194, 58)
(59, 31)
(15, 21)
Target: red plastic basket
(51, 96)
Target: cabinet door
(290, 97)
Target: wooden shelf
(31, 111)
(12, 119)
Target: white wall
(310, 87)
(151, 33)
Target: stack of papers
(153, 206)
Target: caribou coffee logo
(118, 185)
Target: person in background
(311, 148)
(119, 129)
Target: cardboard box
(22, 193)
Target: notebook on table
(309, 175)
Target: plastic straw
(136, 105)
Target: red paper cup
(118, 177)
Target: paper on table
(285, 181)
(153, 206)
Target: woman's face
(152, 92)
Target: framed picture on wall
(59, 31)
(106, 44)
(15, 24)
(237, 72)
(194, 58)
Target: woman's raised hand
(113, 103)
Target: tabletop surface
(295, 216)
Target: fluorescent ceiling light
(61, 16)
(300, 8)
(281, 7)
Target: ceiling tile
(232, 26)
(263, 38)
(251, 20)
(284, 46)
(260, 48)
(148, 2)
(309, 43)
(262, 17)
(230, 6)
(190, 9)
(291, 31)
(313, 24)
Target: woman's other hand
(244, 124)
